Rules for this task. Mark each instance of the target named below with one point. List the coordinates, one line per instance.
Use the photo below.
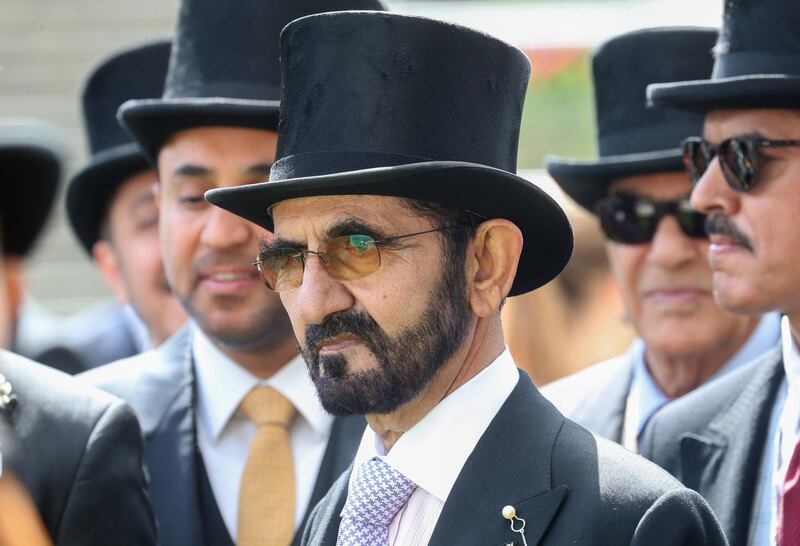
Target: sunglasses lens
(738, 159)
(696, 157)
(281, 271)
(627, 219)
(352, 257)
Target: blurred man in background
(111, 208)
(32, 157)
(656, 242)
(228, 394)
(78, 450)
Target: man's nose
(320, 295)
(712, 193)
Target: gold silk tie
(266, 495)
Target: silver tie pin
(510, 513)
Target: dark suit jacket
(713, 440)
(570, 486)
(595, 398)
(80, 457)
(160, 386)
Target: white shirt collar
(433, 452)
(791, 358)
(222, 385)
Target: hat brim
(29, 192)
(151, 122)
(92, 188)
(752, 91)
(587, 181)
(489, 192)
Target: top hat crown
(224, 68)
(631, 138)
(395, 105)
(757, 61)
(31, 158)
(136, 72)
(132, 73)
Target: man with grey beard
(396, 232)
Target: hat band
(226, 89)
(653, 138)
(732, 65)
(322, 163)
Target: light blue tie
(377, 493)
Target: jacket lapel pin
(517, 523)
(8, 400)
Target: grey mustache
(719, 224)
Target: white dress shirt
(433, 452)
(224, 436)
(645, 397)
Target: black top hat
(385, 104)
(633, 139)
(134, 73)
(757, 62)
(224, 68)
(31, 158)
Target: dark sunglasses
(739, 158)
(633, 220)
(345, 258)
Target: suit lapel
(605, 413)
(722, 463)
(324, 529)
(342, 445)
(510, 465)
(170, 453)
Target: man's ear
(110, 268)
(495, 254)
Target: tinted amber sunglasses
(345, 258)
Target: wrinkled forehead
(765, 123)
(660, 186)
(307, 218)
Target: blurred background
(47, 47)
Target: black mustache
(355, 323)
(719, 224)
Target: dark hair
(454, 241)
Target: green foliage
(558, 117)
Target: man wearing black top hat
(397, 228)
(112, 210)
(656, 243)
(736, 440)
(31, 155)
(237, 445)
(79, 450)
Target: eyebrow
(340, 228)
(191, 170)
(144, 198)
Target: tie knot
(378, 493)
(266, 406)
